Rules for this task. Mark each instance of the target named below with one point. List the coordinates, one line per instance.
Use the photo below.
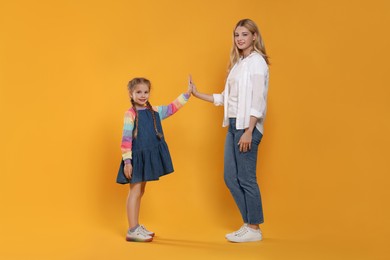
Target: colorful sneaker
(246, 234)
(235, 232)
(138, 236)
(147, 232)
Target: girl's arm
(127, 142)
(172, 108)
(127, 135)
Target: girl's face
(243, 39)
(140, 94)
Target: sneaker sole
(130, 239)
(252, 240)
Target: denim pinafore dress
(151, 157)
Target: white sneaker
(235, 232)
(147, 232)
(246, 234)
(138, 235)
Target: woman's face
(243, 39)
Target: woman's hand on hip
(128, 170)
(245, 141)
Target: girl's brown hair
(130, 87)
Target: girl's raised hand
(189, 91)
(192, 84)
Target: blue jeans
(240, 174)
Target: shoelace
(241, 232)
(144, 230)
(140, 233)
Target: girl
(245, 102)
(145, 153)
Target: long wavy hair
(258, 43)
(130, 87)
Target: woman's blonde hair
(258, 44)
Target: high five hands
(191, 86)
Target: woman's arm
(258, 102)
(246, 138)
(203, 96)
(258, 79)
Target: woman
(245, 103)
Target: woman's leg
(230, 174)
(246, 168)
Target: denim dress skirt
(151, 158)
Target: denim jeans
(240, 174)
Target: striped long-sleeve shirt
(129, 118)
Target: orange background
(323, 162)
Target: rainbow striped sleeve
(127, 135)
(167, 111)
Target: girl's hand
(245, 141)
(189, 90)
(193, 87)
(128, 170)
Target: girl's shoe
(147, 232)
(246, 234)
(138, 236)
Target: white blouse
(233, 81)
(251, 82)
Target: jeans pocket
(256, 136)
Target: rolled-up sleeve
(259, 95)
(218, 99)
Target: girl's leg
(135, 232)
(150, 233)
(143, 186)
(134, 203)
